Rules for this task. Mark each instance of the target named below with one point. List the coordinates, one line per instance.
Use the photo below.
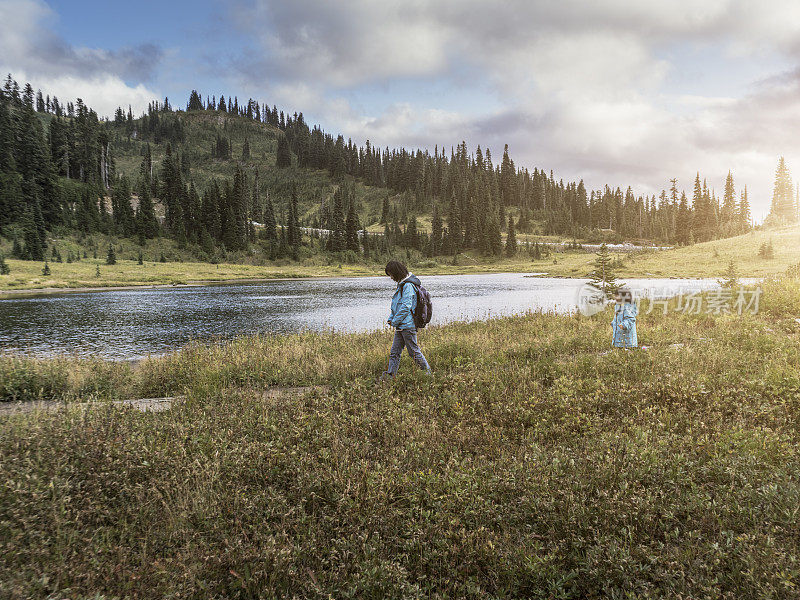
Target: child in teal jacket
(623, 326)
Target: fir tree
(511, 238)
(351, 228)
(294, 221)
(783, 207)
(744, 212)
(683, 221)
(384, 211)
(146, 221)
(270, 225)
(195, 103)
(46, 269)
(436, 233)
(111, 257)
(4, 268)
(728, 211)
(731, 279)
(411, 236)
(454, 226)
(284, 156)
(336, 238)
(603, 277)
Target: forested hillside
(239, 181)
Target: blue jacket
(404, 302)
(624, 326)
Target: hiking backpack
(424, 311)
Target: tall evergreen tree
(783, 207)
(436, 233)
(270, 225)
(744, 212)
(683, 222)
(124, 219)
(511, 238)
(351, 227)
(728, 211)
(146, 221)
(284, 156)
(336, 237)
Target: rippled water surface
(133, 323)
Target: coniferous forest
(236, 180)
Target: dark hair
(396, 270)
(625, 293)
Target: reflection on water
(134, 323)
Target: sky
(625, 93)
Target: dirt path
(143, 404)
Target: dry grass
(534, 464)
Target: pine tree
(384, 212)
(34, 242)
(511, 238)
(683, 221)
(494, 240)
(4, 268)
(246, 150)
(283, 245)
(351, 227)
(195, 103)
(336, 238)
(111, 257)
(97, 272)
(294, 221)
(284, 155)
(728, 211)
(270, 225)
(146, 221)
(783, 207)
(124, 218)
(731, 279)
(454, 226)
(744, 212)
(603, 277)
(411, 236)
(46, 269)
(140, 258)
(436, 232)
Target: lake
(130, 324)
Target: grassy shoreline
(535, 463)
(709, 259)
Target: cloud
(32, 52)
(611, 91)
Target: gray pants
(406, 338)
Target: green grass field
(535, 463)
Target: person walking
(401, 317)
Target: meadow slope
(535, 463)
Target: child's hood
(410, 279)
